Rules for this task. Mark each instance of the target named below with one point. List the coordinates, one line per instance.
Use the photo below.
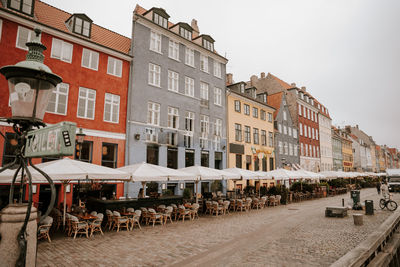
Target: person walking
(378, 187)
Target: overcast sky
(346, 52)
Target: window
(310, 150)
(173, 81)
(290, 149)
(111, 108)
(155, 42)
(217, 69)
(301, 149)
(286, 148)
(173, 118)
(237, 105)
(263, 138)
(189, 57)
(305, 130)
(151, 135)
(208, 45)
(280, 144)
(256, 137)
(295, 148)
(308, 114)
(284, 130)
(204, 94)
(270, 139)
(289, 131)
(24, 35)
(314, 154)
(247, 134)
(306, 150)
(173, 51)
(294, 133)
(284, 115)
(90, 59)
(238, 161)
(313, 133)
(24, 6)
(217, 96)
(160, 20)
(59, 100)
(189, 86)
(280, 128)
(109, 155)
(204, 129)
(238, 132)
(153, 113)
(309, 132)
(204, 63)
(217, 133)
(86, 152)
(316, 134)
(185, 33)
(61, 50)
(86, 103)
(269, 117)
(301, 128)
(246, 109)
(262, 115)
(82, 27)
(255, 112)
(189, 127)
(317, 152)
(154, 74)
(114, 67)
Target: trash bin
(358, 219)
(355, 195)
(369, 207)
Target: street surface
(297, 234)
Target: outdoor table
(128, 214)
(87, 217)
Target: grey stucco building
(176, 103)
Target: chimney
(253, 80)
(303, 88)
(262, 75)
(357, 126)
(229, 78)
(196, 30)
(293, 84)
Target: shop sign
(56, 140)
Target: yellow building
(250, 132)
(347, 152)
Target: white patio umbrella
(146, 172)
(244, 174)
(205, 173)
(329, 174)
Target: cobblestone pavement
(297, 234)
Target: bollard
(342, 202)
(358, 219)
(11, 220)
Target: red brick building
(94, 64)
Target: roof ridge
(81, 13)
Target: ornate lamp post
(30, 85)
(80, 137)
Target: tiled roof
(282, 83)
(275, 100)
(55, 18)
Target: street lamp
(80, 137)
(30, 85)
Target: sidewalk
(295, 234)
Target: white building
(325, 124)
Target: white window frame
(189, 57)
(246, 109)
(114, 101)
(151, 135)
(309, 132)
(189, 86)
(284, 115)
(218, 127)
(204, 63)
(173, 113)
(63, 50)
(92, 54)
(115, 63)
(153, 113)
(295, 148)
(270, 119)
(280, 145)
(29, 37)
(154, 77)
(155, 42)
(290, 149)
(204, 87)
(313, 133)
(289, 131)
(57, 92)
(217, 69)
(188, 134)
(280, 128)
(294, 133)
(316, 134)
(301, 128)
(173, 81)
(86, 99)
(285, 130)
(173, 50)
(300, 110)
(286, 148)
(305, 131)
(217, 96)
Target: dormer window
(242, 88)
(185, 33)
(208, 45)
(80, 24)
(23, 6)
(160, 20)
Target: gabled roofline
(158, 10)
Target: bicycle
(388, 203)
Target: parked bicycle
(388, 203)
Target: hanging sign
(56, 140)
